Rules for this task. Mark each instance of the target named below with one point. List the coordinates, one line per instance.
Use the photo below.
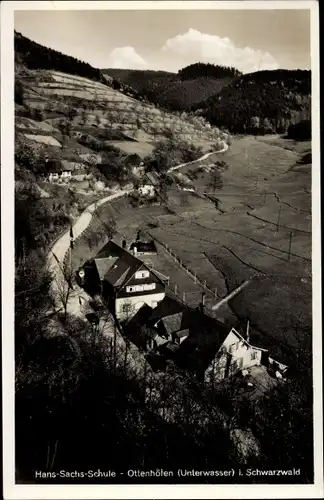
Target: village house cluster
(164, 327)
(58, 171)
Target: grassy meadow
(260, 229)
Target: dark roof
(104, 265)
(144, 246)
(165, 307)
(174, 322)
(132, 158)
(120, 264)
(140, 317)
(205, 333)
(117, 266)
(279, 350)
(54, 166)
(206, 336)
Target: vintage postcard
(161, 250)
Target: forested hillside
(177, 91)
(261, 102)
(199, 70)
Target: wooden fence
(192, 274)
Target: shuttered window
(140, 288)
(142, 274)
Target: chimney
(135, 251)
(124, 244)
(248, 331)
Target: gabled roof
(203, 342)
(104, 265)
(166, 307)
(205, 334)
(140, 317)
(173, 323)
(120, 265)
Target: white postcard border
(15, 492)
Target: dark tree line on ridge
(36, 56)
(177, 91)
(199, 70)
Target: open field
(290, 144)
(261, 228)
(131, 147)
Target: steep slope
(185, 95)
(265, 101)
(36, 56)
(94, 104)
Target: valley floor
(257, 225)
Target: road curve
(224, 148)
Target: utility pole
(248, 331)
(115, 348)
(70, 255)
(278, 218)
(289, 251)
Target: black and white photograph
(161, 276)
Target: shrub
(19, 92)
(301, 131)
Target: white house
(66, 174)
(234, 355)
(63, 175)
(147, 190)
(124, 281)
(149, 185)
(199, 342)
(53, 176)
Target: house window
(233, 347)
(150, 286)
(142, 274)
(236, 365)
(140, 288)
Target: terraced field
(109, 107)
